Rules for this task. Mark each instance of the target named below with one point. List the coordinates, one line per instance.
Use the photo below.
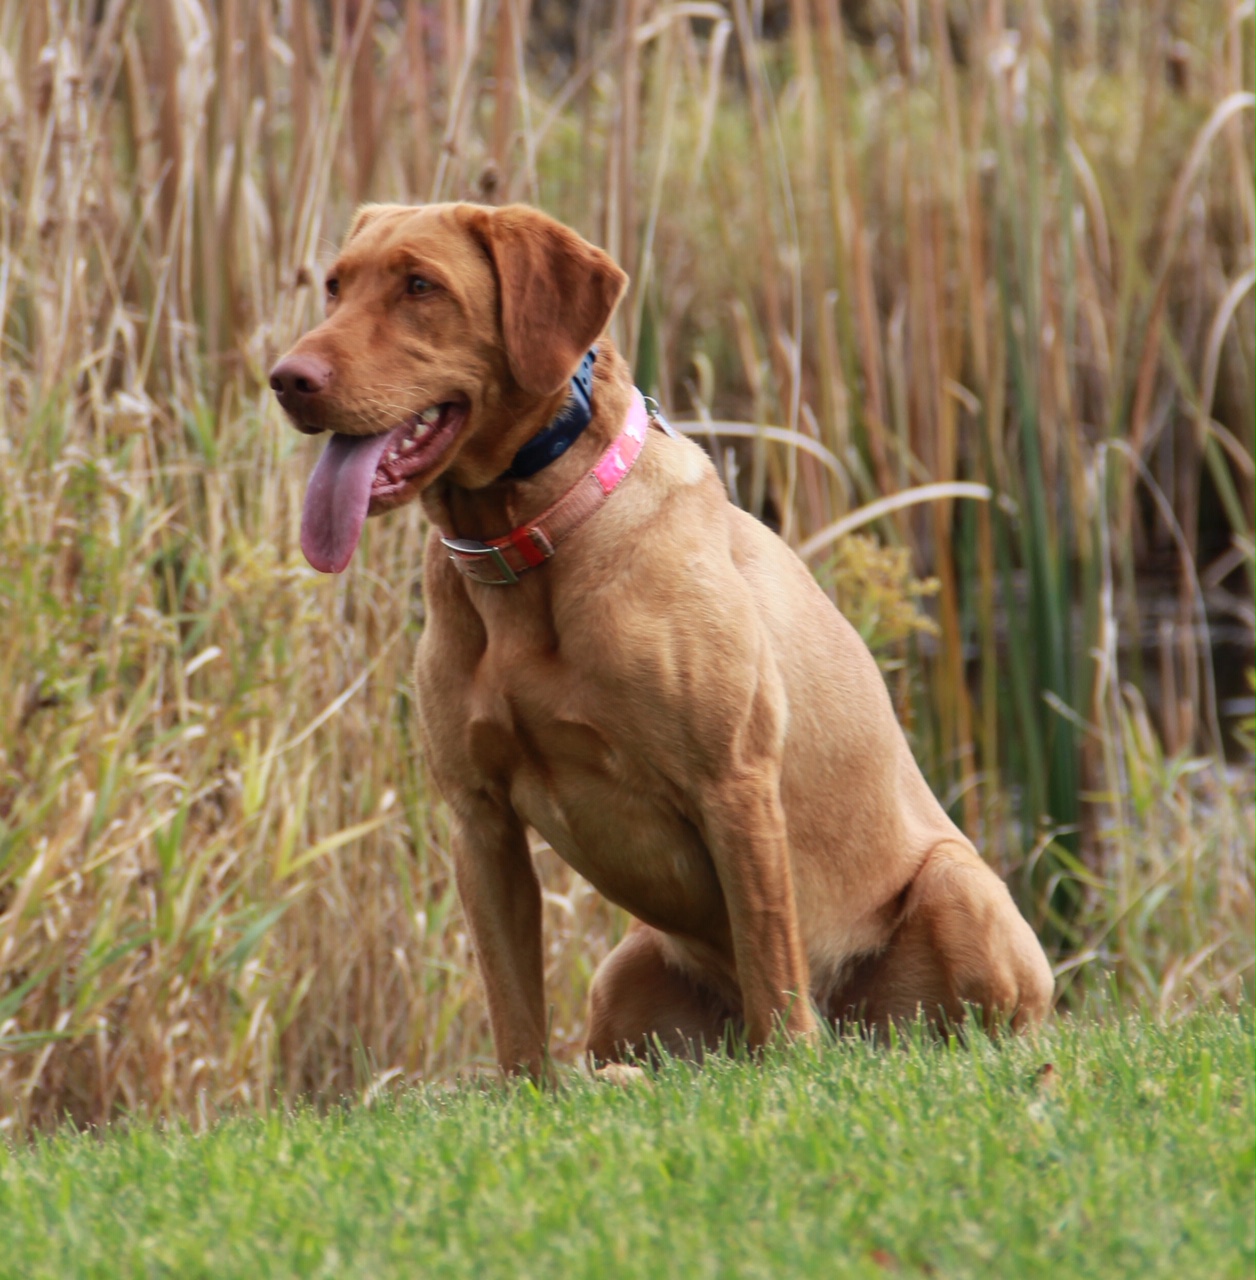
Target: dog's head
(450, 336)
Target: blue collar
(563, 430)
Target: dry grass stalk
(970, 253)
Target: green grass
(1131, 1156)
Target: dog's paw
(621, 1074)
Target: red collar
(499, 563)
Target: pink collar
(499, 563)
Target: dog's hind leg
(638, 1003)
(960, 941)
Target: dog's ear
(557, 293)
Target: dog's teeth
(409, 444)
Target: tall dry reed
(974, 277)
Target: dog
(621, 659)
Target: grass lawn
(1132, 1155)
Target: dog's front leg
(745, 829)
(501, 897)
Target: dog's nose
(297, 378)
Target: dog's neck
(562, 430)
(509, 501)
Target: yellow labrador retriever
(622, 660)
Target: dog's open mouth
(359, 476)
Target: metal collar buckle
(472, 558)
(654, 409)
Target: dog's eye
(333, 287)
(416, 286)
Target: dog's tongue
(337, 499)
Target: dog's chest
(539, 726)
(562, 754)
